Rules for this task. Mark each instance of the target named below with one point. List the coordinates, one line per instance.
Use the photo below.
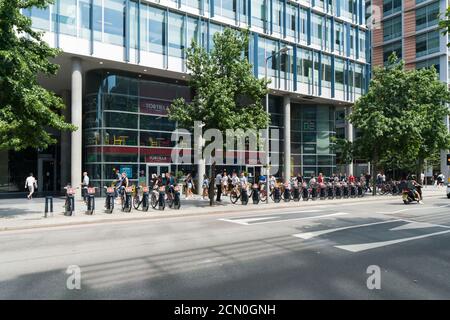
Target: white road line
(245, 221)
(309, 235)
(414, 225)
(372, 245)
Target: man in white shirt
(30, 183)
(85, 185)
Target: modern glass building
(124, 62)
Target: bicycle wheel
(154, 201)
(111, 205)
(123, 202)
(68, 207)
(136, 202)
(128, 203)
(234, 197)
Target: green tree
(226, 94)
(429, 97)
(401, 116)
(27, 110)
(444, 23)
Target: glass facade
(125, 122)
(312, 127)
(167, 32)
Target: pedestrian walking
(189, 186)
(205, 186)
(218, 182)
(31, 184)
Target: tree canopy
(226, 93)
(27, 110)
(401, 118)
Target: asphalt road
(319, 252)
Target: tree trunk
(420, 163)
(374, 175)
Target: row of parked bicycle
(296, 192)
(143, 197)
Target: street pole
(267, 139)
(282, 50)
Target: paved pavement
(23, 213)
(318, 250)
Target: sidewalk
(26, 214)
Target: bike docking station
(48, 206)
(90, 201)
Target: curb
(281, 205)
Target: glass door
(157, 170)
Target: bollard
(48, 202)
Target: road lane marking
(372, 245)
(309, 235)
(414, 225)
(245, 221)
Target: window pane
(156, 30)
(114, 11)
(176, 35)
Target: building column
(65, 143)
(349, 136)
(287, 137)
(76, 113)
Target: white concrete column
(287, 137)
(65, 143)
(76, 113)
(349, 136)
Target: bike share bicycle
(125, 198)
(69, 205)
(173, 197)
(109, 200)
(143, 200)
(90, 201)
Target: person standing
(320, 178)
(422, 178)
(368, 177)
(440, 180)
(218, 182)
(84, 185)
(31, 184)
